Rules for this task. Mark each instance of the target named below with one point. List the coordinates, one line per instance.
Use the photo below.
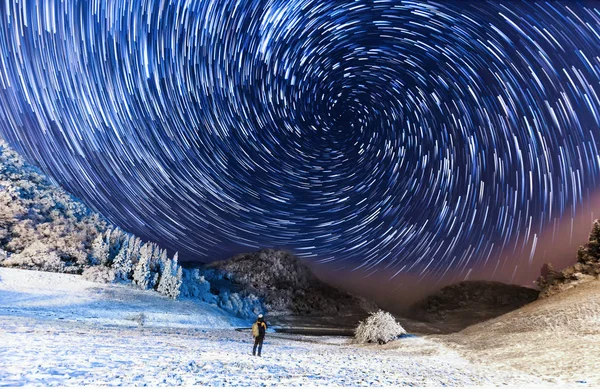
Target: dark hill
(284, 283)
(469, 302)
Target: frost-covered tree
(146, 272)
(134, 245)
(100, 249)
(194, 285)
(122, 264)
(380, 327)
(115, 239)
(171, 277)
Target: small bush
(380, 327)
(101, 274)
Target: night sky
(388, 138)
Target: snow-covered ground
(69, 297)
(58, 329)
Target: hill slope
(557, 336)
(465, 303)
(41, 226)
(36, 294)
(585, 270)
(286, 285)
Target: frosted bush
(195, 285)
(247, 306)
(102, 274)
(380, 327)
(37, 256)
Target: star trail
(393, 136)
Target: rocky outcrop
(586, 269)
(283, 282)
(552, 282)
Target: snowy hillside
(42, 227)
(68, 297)
(557, 336)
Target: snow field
(60, 330)
(55, 353)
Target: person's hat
(260, 316)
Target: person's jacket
(262, 328)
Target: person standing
(259, 328)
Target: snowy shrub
(380, 327)
(102, 274)
(245, 307)
(195, 285)
(38, 256)
(140, 319)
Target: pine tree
(122, 264)
(171, 277)
(114, 239)
(143, 276)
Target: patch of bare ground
(554, 338)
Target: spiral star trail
(396, 136)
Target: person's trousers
(258, 341)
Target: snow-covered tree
(380, 327)
(171, 277)
(122, 264)
(115, 239)
(99, 255)
(134, 245)
(145, 274)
